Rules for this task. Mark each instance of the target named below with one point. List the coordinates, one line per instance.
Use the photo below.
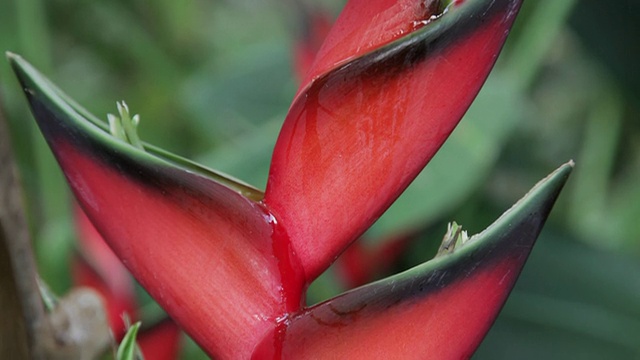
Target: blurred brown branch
(77, 327)
(24, 316)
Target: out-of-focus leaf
(246, 157)
(574, 301)
(614, 40)
(238, 96)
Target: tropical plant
(294, 318)
(231, 264)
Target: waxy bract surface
(358, 134)
(231, 266)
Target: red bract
(364, 26)
(194, 244)
(396, 104)
(231, 264)
(359, 263)
(98, 267)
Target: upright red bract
(362, 126)
(231, 264)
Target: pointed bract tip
(554, 181)
(17, 62)
(563, 171)
(544, 192)
(11, 56)
(13, 59)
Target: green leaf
(128, 349)
(573, 302)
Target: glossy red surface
(355, 139)
(364, 25)
(202, 251)
(448, 323)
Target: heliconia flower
(231, 264)
(99, 268)
(393, 95)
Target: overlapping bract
(438, 310)
(230, 266)
(192, 242)
(97, 267)
(362, 126)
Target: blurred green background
(212, 81)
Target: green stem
(589, 320)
